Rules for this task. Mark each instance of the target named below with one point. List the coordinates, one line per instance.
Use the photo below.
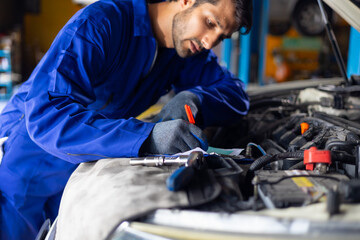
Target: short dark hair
(243, 12)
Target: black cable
(332, 144)
(299, 154)
(268, 143)
(341, 122)
(343, 157)
(263, 160)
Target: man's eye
(209, 23)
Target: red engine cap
(313, 156)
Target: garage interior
(278, 49)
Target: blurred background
(287, 41)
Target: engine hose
(268, 143)
(331, 144)
(349, 125)
(343, 157)
(263, 160)
(299, 154)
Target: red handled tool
(189, 114)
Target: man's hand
(173, 137)
(174, 109)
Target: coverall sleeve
(56, 109)
(222, 96)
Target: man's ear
(186, 3)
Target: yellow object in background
(292, 56)
(150, 112)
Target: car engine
(310, 132)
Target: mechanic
(110, 62)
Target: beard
(178, 30)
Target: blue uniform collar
(142, 25)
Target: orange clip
(304, 127)
(189, 114)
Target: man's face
(203, 27)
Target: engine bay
(309, 135)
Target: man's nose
(209, 41)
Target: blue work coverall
(103, 68)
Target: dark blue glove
(173, 137)
(174, 109)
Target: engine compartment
(301, 145)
